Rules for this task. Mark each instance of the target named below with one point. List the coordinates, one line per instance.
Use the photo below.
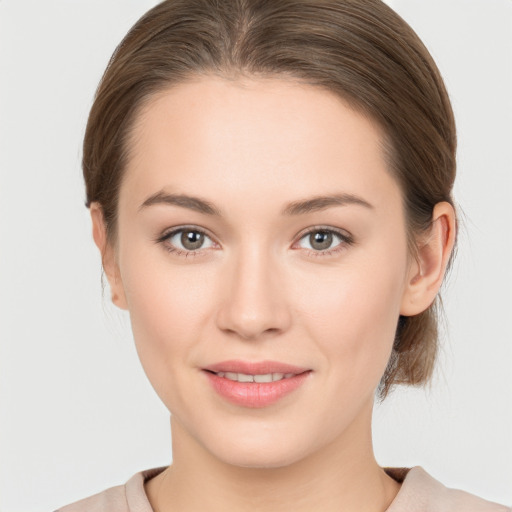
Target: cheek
(163, 296)
(168, 308)
(352, 315)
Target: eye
(186, 240)
(324, 241)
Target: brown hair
(359, 49)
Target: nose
(254, 301)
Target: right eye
(186, 241)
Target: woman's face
(258, 223)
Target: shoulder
(113, 499)
(420, 492)
(130, 497)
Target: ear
(427, 270)
(108, 255)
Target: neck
(343, 475)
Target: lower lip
(255, 394)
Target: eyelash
(345, 240)
(179, 252)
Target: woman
(270, 186)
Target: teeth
(243, 377)
(268, 377)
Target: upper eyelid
(172, 231)
(302, 234)
(346, 238)
(338, 231)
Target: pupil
(321, 240)
(192, 240)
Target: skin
(258, 289)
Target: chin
(261, 460)
(259, 452)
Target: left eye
(188, 240)
(322, 239)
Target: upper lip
(255, 368)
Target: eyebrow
(299, 207)
(323, 202)
(185, 201)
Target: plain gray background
(77, 414)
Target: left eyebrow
(323, 202)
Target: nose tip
(252, 326)
(255, 304)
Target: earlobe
(429, 267)
(108, 256)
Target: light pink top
(419, 493)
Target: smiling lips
(255, 385)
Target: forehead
(254, 136)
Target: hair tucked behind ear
(360, 50)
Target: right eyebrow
(185, 201)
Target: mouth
(244, 377)
(255, 368)
(255, 385)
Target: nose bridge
(255, 301)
